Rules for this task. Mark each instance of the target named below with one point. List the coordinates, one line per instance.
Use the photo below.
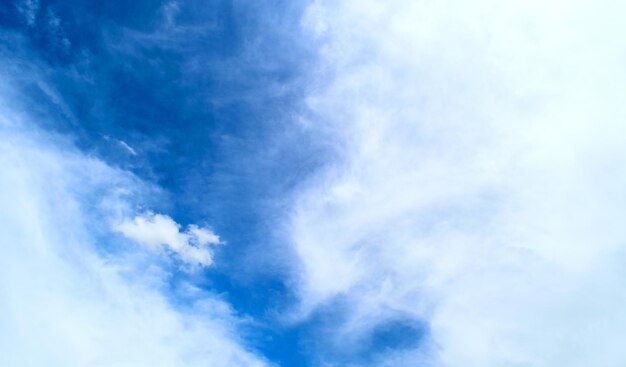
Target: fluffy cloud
(479, 184)
(156, 230)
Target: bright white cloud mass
(157, 230)
(449, 191)
(480, 181)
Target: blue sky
(312, 183)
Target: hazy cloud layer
(407, 183)
(479, 182)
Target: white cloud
(203, 236)
(130, 149)
(480, 182)
(156, 230)
(64, 304)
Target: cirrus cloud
(478, 184)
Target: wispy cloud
(478, 188)
(68, 297)
(28, 9)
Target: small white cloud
(156, 231)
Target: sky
(230, 183)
